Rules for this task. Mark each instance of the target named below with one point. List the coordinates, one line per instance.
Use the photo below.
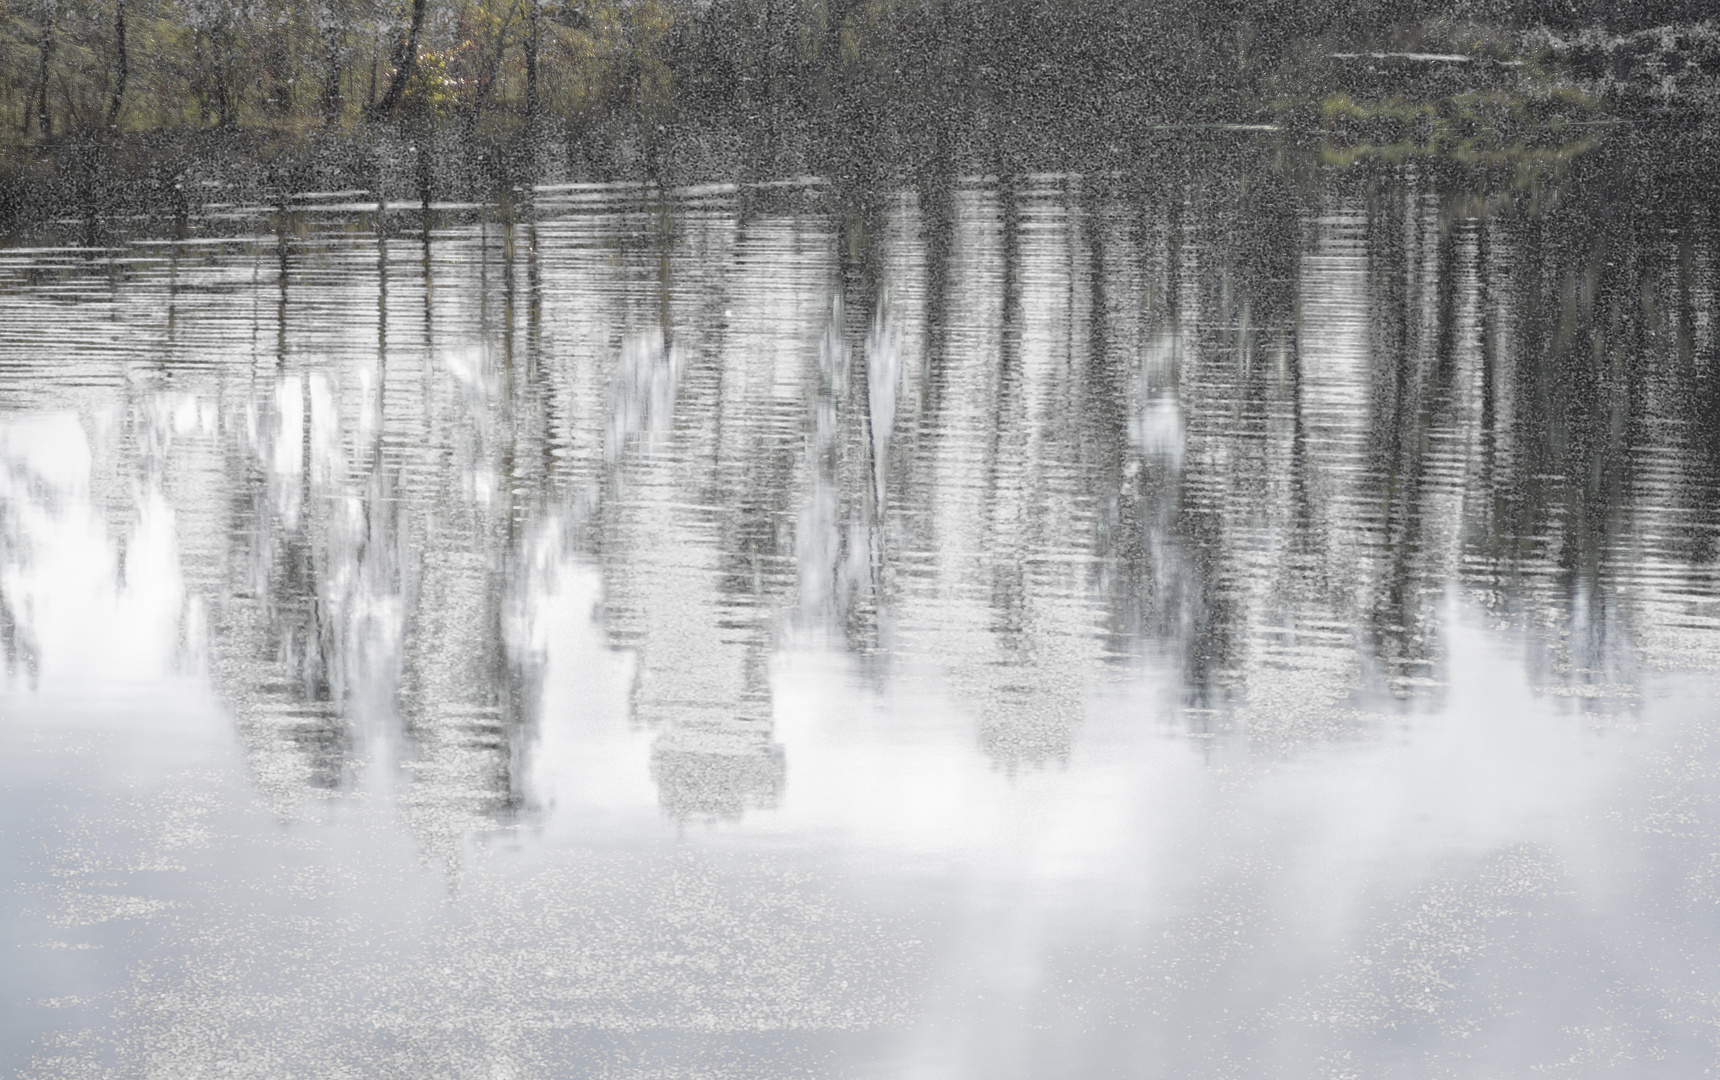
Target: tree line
(130, 65)
(80, 65)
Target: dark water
(1215, 619)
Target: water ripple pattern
(1201, 622)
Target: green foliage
(288, 66)
(1447, 89)
(432, 88)
(1098, 66)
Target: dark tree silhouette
(405, 61)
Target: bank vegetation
(495, 92)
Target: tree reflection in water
(631, 492)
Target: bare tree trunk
(405, 61)
(375, 54)
(199, 81)
(226, 114)
(121, 65)
(44, 121)
(331, 97)
(533, 40)
(531, 60)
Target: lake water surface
(1219, 619)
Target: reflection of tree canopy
(1246, 420)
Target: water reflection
(932, 520)
(1017, 427)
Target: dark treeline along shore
(116, 107)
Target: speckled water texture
(1205, 620)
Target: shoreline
(167, 178)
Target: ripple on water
(792, 624)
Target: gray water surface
(1214, 621)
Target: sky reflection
(1048, 625)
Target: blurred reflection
(1181, 620)
(1016, 435)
